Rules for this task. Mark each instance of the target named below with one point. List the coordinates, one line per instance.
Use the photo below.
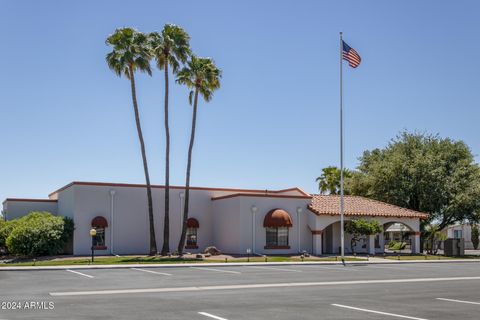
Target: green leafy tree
(39, 233)
(131, 53)
(329, 181)
(170, 48)
(475, 236)
(361, 227)
(424, 173)
(434, 237)
(6, 228)
(202, 77)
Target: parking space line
(211, 316)
(218, 270)
(151, 271)
(273, 268)
(377, 312)
(460, 301)
(79, 273)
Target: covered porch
(398, 224)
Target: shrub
(393, 245)
(6, 228)
(39, 233)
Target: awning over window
(277, 218)
(99, 222)
(192, 223)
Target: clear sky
(273, 124)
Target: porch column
(317, 242)
(371, 244)
(382, 242)
(416, 242)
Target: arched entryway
(398, 237)
(331, 240)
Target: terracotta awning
(99, 222)
(193, 223)
(277, 218)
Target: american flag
(351, 55)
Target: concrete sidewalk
(371, 260)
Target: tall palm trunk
(166, 225)
(153, 243)
(181, 244)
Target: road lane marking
(377, 312)
(461, 301)
(218, 270)
(260, 286)
(388, 267)
(211, 316)
(79, 273)
(339, 268)
(151, 271)
(273, 268)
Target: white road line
(377, 312)
(151, 271)
(339, 268)
(218, 270)
(273, 268)
(211, 316)
(261, 286)
(461, 301)
(385, 267)
(79, 273)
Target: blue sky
(274, 122)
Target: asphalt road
(407, 291)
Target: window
(276, 224)
(457, 234)
(99, 239)
(277, 237)
(191, 237)
(192, 230)
(99, 223)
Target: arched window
(192, 235)
(99, 224)
(277, 223)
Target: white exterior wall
(130, 216)
(466, 234)
(233, 224)
(225, 223)
(15, 209)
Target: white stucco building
(461, 231)
(266, 221)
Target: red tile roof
(359, 206)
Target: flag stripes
(349, 54)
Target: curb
(228, 264)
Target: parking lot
(356, 291)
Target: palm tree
(329, 181)
(202, 77)
(169, 49)
(131, 53)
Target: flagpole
(342, 233)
